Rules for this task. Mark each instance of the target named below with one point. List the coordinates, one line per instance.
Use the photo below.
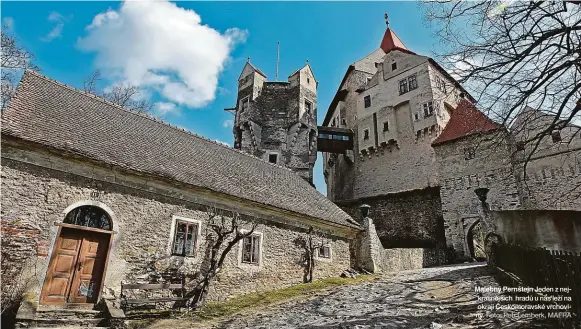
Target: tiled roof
(53, 114)
(391, 42)
(465, 120)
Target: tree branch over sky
(14, 59)
(514, 54)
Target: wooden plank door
(61, 268)
(90, 267)
(76, 267)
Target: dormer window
(556, 136)
(393, 66)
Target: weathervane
(386, 20)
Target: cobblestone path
(442, 297)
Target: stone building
(475, 152)
(114, 196)
(277, 121)
(396, 102)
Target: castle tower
(277, 121)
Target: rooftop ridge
(150, 117)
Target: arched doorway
(79, 257)
(475, 241)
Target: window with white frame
(251, 249)
(185, 237)
(403, 86)
(412, 82)
(428, 109)
(324, 251)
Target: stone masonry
(277, 121)
(142, 222)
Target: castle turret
(277, 121)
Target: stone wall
(490, 168)
(404, 220)
(142, 221)
(551, 229)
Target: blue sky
(331, 35)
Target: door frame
(52, 255)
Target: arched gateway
(79, 256)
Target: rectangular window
(343, 122)
(416, 116)
(273, 158)
(308, 107)
(251, 249)
(325, 252)
(386, 126)
(432, 130)
(412, 82)
(403, 86)
(418, 134)
(469, 153)
(393, 66)
(365, 134)
(185, 239)
(428, 109)
(244, 104)
(367, 101)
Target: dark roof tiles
(53, 114)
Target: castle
(402, 135)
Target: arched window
(89, 216)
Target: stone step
(71, 322)
(66, 313)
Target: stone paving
(442, 297)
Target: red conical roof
(391, 42)
(465, 120)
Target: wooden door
(76, 268)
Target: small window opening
(393, 66)
(556, 136)
(343, 122)
(418, 134)
(469, 153)
(325, 252)
(366, 134)
(308, 80)
(520, 146)
(416, 116)
(386, 126)
(367, 100)
(244, 104)
(308, 107)
(273, 158)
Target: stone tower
(277, 121)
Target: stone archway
(474, 239)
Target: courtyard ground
(441, 297)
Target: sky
(187, 56)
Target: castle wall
(490, 168)
(37, 187)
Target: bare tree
(124, 95)
(224, 230)
(14, 58)
(310, 243)
(514, 55)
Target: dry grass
(215, 311)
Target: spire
(390, 41)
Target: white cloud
(228, 123)
(160, 46)
(163, 108)
(57, 30)
(8, 22)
